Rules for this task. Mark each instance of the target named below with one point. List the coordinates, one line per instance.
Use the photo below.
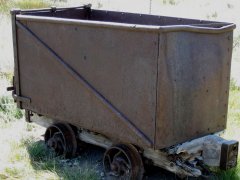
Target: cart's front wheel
(62, 139)
(123, 162)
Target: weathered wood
(95, 139)
(209, 146)
(160, 159)
(41, 120)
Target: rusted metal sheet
(154, 83)
(87, 85)
(193, 83)
(124, 66)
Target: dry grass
(25, 156)
(233, 127)
(32, 4)
(6, 5)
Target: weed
(214, 15)
(13, 172)
(6, 75)
(236, 42)
(99, 5)
(230, 6)
(233, 85)
(44, 159)
(29, 127)
(31, 4)
(233, 174)
(83, 172)
(8, 108)
(172, 2)
(17, 153)
(7, 5)
(39, 153)
(232, 131)
(169, 2)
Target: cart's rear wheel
(123, 162)
(62, 139)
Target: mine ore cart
(147, 88)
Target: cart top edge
(212, 28)
(85, 16)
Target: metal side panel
(98, 78)
(193, 85)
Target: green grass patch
(6, 75)
(13, 172)
(231, 174)
(233, 123)
(38, 151)
(7, 5)
(43, 159)
(233, 85)
(32, 4)
(85, 172)
(31, 159)
(232, 131)
(9, 109)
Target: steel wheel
(123, 162)
(61, 138)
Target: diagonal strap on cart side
(88, 86)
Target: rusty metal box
(153, 81)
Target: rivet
(171, 164)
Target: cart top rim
(212, 28)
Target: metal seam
(156, 106)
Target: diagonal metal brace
(88, 86)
